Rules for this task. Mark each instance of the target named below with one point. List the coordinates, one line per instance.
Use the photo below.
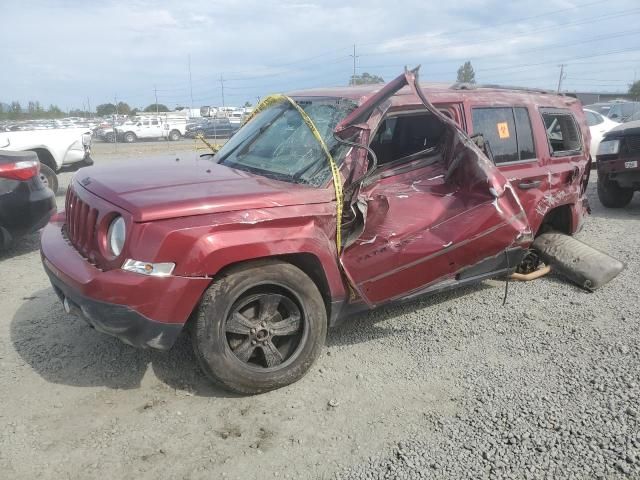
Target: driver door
(434, 219)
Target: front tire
(49, 178)
(174, 135)
(129, 137)
(611, 194)
(260, 327)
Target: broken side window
(562, 132)
(403, 135)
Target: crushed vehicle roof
(445, 93)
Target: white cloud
(61, 51)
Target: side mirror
(615, 115)
(483, 145)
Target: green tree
(466, 73)
(54, 111)
(247, 104)
(160, 108)
(124, 108)
(105, 109)
(365, 79)
(634, 89)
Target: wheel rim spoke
(269, 307)
(287, 326)
(267, 321)
(272, 355)
(244, 350)
(240, 324)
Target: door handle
(529, 185)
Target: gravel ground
(451, 386)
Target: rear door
(430, 215)
(509, 132)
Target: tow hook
(70, 307)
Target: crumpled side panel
(438, 215)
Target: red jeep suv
(325, 202)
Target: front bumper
(142, 311)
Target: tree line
(35, 111)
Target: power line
(506, 22)
(500, 37)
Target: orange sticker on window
(503, 129)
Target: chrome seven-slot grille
(80, 223)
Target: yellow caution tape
(335, 173)
(214, 148)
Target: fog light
(147, 268)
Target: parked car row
(212, 127)
(618, 111)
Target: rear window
(562, 132)
(508, 132)
(593, 118)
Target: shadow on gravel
(362, 327)
(21, 246)
(63, 349)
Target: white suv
(149, 127)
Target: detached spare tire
(580, 263)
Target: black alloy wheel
(264, 329)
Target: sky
(73, 53)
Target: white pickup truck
(151, 127)
(57, 149)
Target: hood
(173, 187)
(624, 129)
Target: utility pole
(190, 84)
(155, 92)
(222, 88)
(354, 56)
(89, 105)
(561, 76)
(115, 119)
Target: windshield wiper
(264, 173)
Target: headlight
(116, 235)
(609, 147)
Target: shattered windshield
(278, 144)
